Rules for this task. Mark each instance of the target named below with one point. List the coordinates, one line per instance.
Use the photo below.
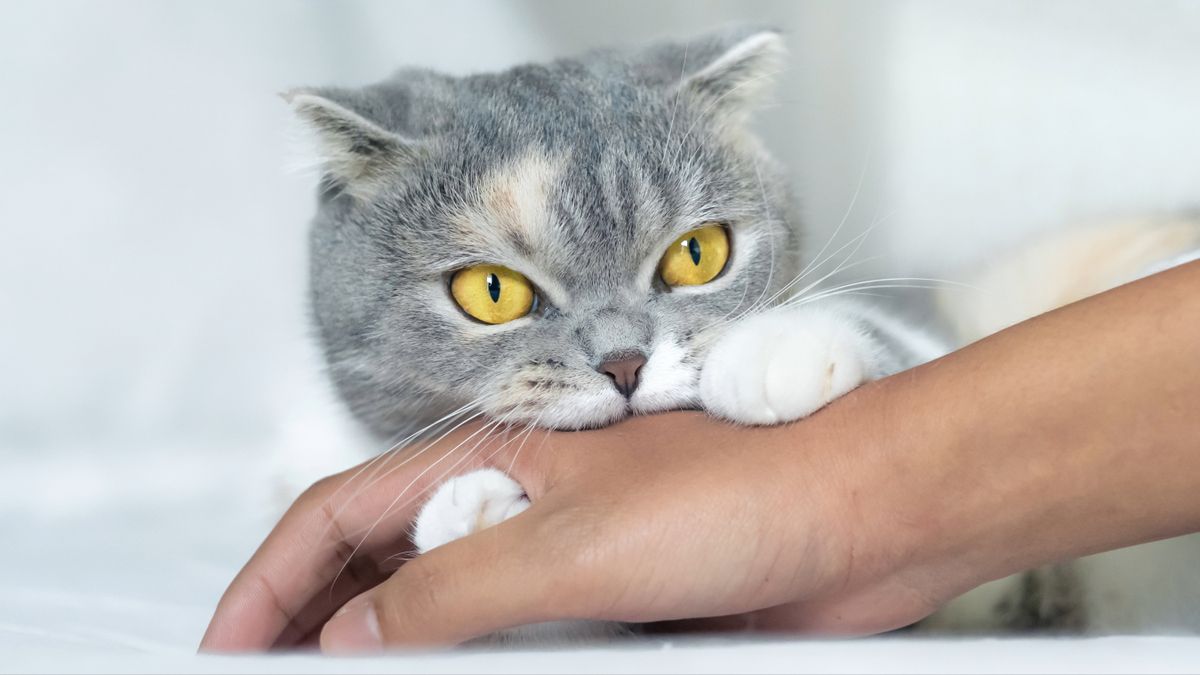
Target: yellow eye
(491, 293)
(695, 258)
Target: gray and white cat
(567, 244)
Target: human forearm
(1073, 433)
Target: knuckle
(317, 493)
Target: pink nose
(623, 368)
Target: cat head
(555, 244)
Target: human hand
(1066, 435)
(658, 518)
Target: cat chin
(565, 416)
(661, 404)
(574, 413)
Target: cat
(564, 245)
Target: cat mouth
(594, 411)
(575, 413)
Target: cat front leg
(789, 362)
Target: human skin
(1069, 434)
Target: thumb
(491, 580)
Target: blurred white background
(152, 263)
(153, 256)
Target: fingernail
(353, 630)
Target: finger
(345, 518)
(470, 587)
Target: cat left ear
(744, 66)
(356, 154)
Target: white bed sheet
(114, 561)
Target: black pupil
(493, 282)
(694, 249)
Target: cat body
(503, 246)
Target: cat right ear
(357, 155)
(727, 71)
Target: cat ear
(356, 154)
(734, 70)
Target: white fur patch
(584, 410)
(516, 195)
(783, 365)
(465, 505)
(666, 383)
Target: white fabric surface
(122, 574)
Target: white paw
(783, 365)
(467, 504)
(476, 501)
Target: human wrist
(975, 483)
(933, 509)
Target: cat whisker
(845, 264)
(736, 308)
(841, 267)
(441, 478)
(770, 233)
(503, 424)
(486, 429)
(528, 433)
(386, 458)
(817, 263)
(394, 447)
(819, 260)
(675, 104)
(874, 284)
(754, 307)
(401, 557)
(857, 242)
(862, 175)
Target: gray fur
(650, 146)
